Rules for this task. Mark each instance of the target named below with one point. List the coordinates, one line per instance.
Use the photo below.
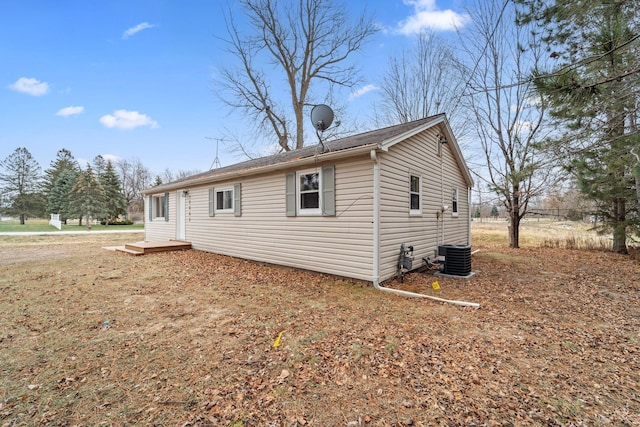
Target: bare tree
(135, 178)
(168, 175)
(509, 118)
(304, 42)
(424, 80)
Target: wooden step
(129, 251)
(163, 246)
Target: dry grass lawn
(93, 337)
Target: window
(454, 202)
(415, 195)
(225, 200)
(311, 192)
(308, 192)
(159, 207)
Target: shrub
(116, 222)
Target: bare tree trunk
(514, 231)
(619, 231)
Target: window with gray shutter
(328, 191)
(166, 206)
(311, 192)
(237, 200)
(212, 201)
(290, 190)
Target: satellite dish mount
(321, 117)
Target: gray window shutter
(237, 199)
(329, 191)
(150, 208)
(166, 206)
(290, 190)
(212, 202)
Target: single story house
(343, 207)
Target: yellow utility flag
(277, 341)
(435, 285)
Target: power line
(564, 70)
(484, 50)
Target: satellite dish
(322, 117)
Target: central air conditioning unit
(457, 259)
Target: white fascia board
(388, 143)
(458, 154)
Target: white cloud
(123, 119)
(363, 90)
(111, 157)
(30, 86)
(427, 16)
(70, 111)
(133, 30)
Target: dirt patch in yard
(91, 337)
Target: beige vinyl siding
(456, 228)
(418, 155)
(158, 229)
(340, 245)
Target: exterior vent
(457, 259)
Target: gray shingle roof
(372, 138)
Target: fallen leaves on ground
(187, 338)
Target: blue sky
(134, 79)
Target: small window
(309, 193)
(454, 202)
(224, 200)
(158, 206)
(415, 195)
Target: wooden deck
(141, 248)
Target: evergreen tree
(87, 196)
(59, 198)
(594, 91)
(99, 165)
(57, 201)
(114, 200)
(20, 184)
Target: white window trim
(158, 204)
(309, 211)
(415, 212)
(215, 200)
(456, 197)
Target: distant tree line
(102, 190)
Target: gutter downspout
(469, 216)
(376, 245)
(376, 218)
